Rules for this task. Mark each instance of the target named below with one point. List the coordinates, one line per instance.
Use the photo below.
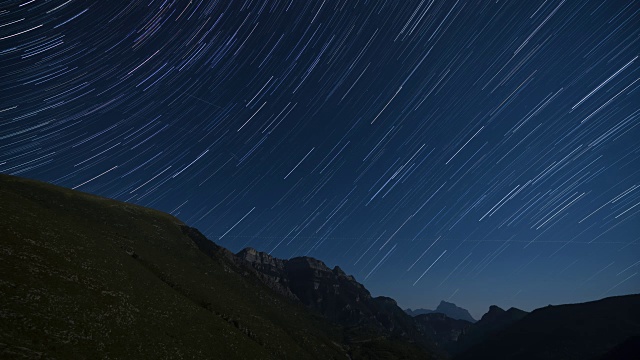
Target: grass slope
(87, 277)
(83, 276)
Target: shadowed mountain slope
(573, 331)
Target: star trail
(486, 152)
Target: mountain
(573, 331)
(87, 277)
(450, 309)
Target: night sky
(481, 152)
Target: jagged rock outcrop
(268, 269)
(330, 292)
(262, 265)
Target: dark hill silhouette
(573, 331)
(494, 320)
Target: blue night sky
(481, 152)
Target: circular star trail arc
(492, 145)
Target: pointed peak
(338, 271)
(494, 312)
(453, 311)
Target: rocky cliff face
(332, 293)
(268, 269)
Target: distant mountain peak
(449, 309)
(453, 311)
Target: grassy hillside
(84, 276)
(87, 277)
